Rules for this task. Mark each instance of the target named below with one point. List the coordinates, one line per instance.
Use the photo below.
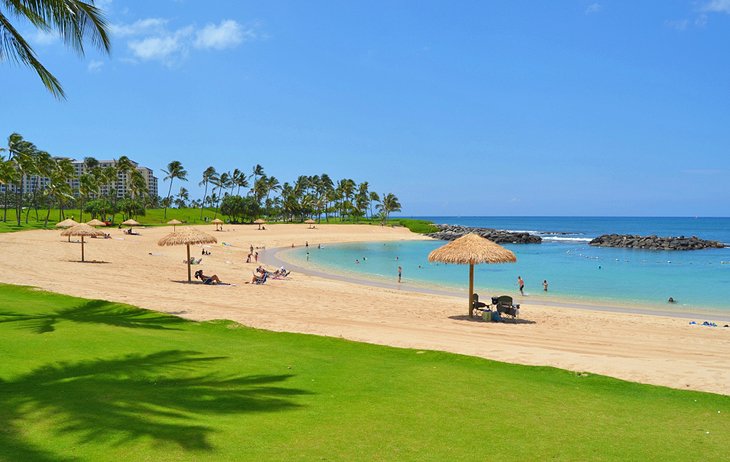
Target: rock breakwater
(451, 232)
(655, 242)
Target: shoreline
(641, 348)
(272, 257)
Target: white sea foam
(566, 239)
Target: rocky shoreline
(451, 232)
(629, 241)
(654, 242)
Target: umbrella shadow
(162, 396)
(505, 320)
(93, 312)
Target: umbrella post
(82, 248)
(471, 287)
(189, 278)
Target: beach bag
(487, 315)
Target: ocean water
(574, 270)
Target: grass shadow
(160, 396)
(93, 312)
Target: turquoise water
(573, 269)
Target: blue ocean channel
(575, 271)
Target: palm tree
(59, 188)
(389, 204)
(182, 198)
(257, 171)
(8, 176)
(88, 186)
(208, 174)
(72, 19)
(374, 197)
(174, 170)
(221, 182)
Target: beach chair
(504, 305)
(478, 308)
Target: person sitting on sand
(214, 279)
(259, 275)
(280, 273)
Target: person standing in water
(544, 285)
(521, 284)
(400, 273)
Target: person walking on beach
(400, 273)
(544, 285)
(521, 284)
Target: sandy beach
(644, 348)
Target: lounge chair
(478, 308)
(504, 305)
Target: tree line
(104, 190)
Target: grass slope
(156, 217)
(94, 380)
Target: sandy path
(650, 349)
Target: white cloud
(140, 27)
(150, 39)
(594, 8)
(227, 34)
(677, 24)
(103, 4)
(43, 38)
(95, 66)
(167, 48)
(717, 6)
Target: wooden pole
(471, 287)
(82, 248)
(189, 278)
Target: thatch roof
(260, 221)
(310, 222)
(130, 222)
(82, 230)
(187, 236)
(472, 248)
(67, 223)
(95, 222)
(217, 221)
(174, 222)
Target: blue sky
(459, 108)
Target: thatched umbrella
(130, 222)
(310, 222)
(187, 236)
(174, 222)
(67, 223)
(218, 222)
(260, 222)
(95, 222)
(82, 230)
(472, 249)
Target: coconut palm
(257, 171)
(88, 187)
(388, 204)
(58, 187)
(374, 197)
(72, 19)
(8, 176)
(208, 174)
(174, 170)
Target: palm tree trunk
(169, 191)
(5, 205)
(19, 201)
(48, 215)
(202, 203)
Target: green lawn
(94, 380)
(156, 217)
